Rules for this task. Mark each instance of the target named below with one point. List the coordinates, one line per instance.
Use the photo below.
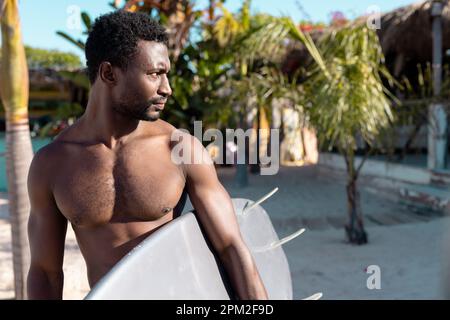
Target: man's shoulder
(165, 126)
(188, 149)
(42, 164)
(48, 151)
(158, 128)
(167, 132)
(181, 143)
(182, 137)
(51, 156)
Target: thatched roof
(405, 36)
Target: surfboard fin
(280, 242)
(287, 239)
(315, 296)
(259, 201)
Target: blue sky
(41, 19)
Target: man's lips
(159, 106)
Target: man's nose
(164, 88)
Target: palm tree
(346, 95)
(349, 100)
(14, 95)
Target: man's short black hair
(114, 38)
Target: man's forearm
(243, 273)
(44, 285)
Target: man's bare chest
(95, 188)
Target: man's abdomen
(102, 247)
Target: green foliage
(257, 89)
(41, 58)
(343, 96)
(196, 81)
(349, 98)
(238, 43)
(87, 21)
(78, 43)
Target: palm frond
(351, 99)
(226, 28)
(80, 44)
(87, 21)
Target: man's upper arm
(210, 199)
(46, 226)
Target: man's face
(143, 88)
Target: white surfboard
(177, 262)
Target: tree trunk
(355, 226)
(14, 90)
(18, 159)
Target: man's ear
(107, 73)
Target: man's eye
(154, 75)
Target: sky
(41, 19)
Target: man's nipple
(166, 210)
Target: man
(111, 174)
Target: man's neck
(105, 125)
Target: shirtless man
(111, 174)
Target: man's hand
(216, 214)
(47, 231)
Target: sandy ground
(409, 255)
(75, 283)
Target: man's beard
(137, 111)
